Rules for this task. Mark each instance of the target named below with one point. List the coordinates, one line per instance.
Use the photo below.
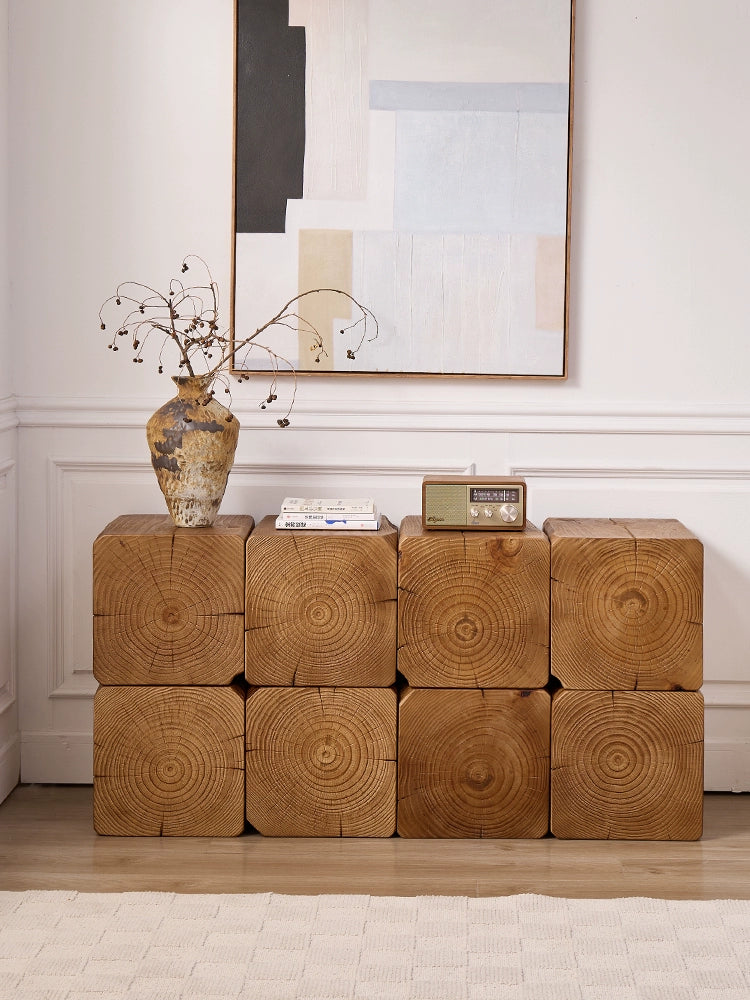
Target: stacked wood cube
(626, 648)
(320, 660)
(474, 719)
(169, 720)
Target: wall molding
(7, 468)
(8, 486)
(629, 472)
(10, 766)
(70, 680)
(8, 413)
(726, 694)
(387, 414)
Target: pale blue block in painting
(481, 171)
(416, 95)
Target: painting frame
(341, 242)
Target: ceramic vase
(192, 439)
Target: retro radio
(485, 503)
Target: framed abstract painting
(415, 156)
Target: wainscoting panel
(70, 492)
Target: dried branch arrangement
(186, 320)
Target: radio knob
(508, 512)
(488, 511)
(474, 512)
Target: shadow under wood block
(473, 608)
(627, 765)
(321, 607)
(473, 763)
(169, 761)
(169, 602)
(321, 762)
(626, 604)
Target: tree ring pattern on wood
(473, 763)
(627, 765)
(168, 606)
(168, 761)
(320, 610)
(321, 761)
(626, 605)
(471, 617)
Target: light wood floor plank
(47, 841)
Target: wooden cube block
(321, 762)
(626, 604)
(321, 607)
(473, 608)
(169, 602)
(169, 761)
(473, 763)
(627, 765)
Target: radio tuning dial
(508, 512)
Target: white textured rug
(164, 946)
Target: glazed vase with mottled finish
(192, 439)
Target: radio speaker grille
(444, 503)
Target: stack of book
(301, 514)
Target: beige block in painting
(550, 283)
(325, 261)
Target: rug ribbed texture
(164, 946)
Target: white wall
(120, 163)
(9, 736)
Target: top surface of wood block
(411, 527)
(267, 527)
(616, 527)
(162, 525)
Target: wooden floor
(47, 842)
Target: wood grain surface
(473, 607)
(321, 607)
(169, 602)
(626, 604)
(473, 763)
(168, 761)
(627, 765)
(321, 762)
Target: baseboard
(10, 767)
(727, 765)
(57, 758)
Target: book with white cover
(363, 507)
(289, 522)
(320, 517)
